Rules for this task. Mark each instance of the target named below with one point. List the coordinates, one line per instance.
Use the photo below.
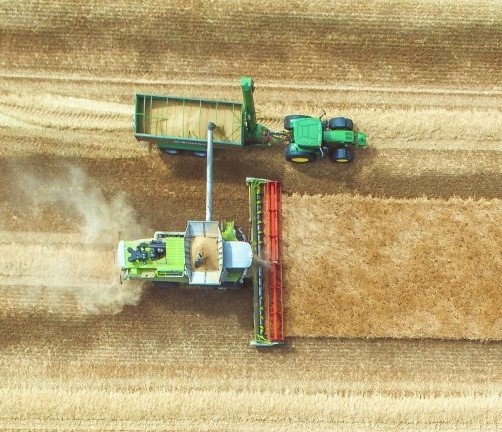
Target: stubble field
(392, 263)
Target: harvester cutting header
(178, 124)
(208, 253)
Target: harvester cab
(210, 254)
(311, 138)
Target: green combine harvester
(178, 125)
(208, 253)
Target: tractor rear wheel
(288, 119)
(341, 155)
(337, 123)
(298, 156)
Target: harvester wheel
(170, 152)
(338, 123)
(298, 156)
(341, 155)
(289, 118)
(200, 154)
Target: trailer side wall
(181, 123)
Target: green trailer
(176, 124)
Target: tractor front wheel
(341, 155)
(298, 156)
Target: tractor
(311, 138)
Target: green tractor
(311, 138)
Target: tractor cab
(305, 138)
(307, 133)
(311, 138)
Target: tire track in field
(231, 84)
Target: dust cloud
(100, 219)
(267, 264)
(73, 272)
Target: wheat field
(391, 263)
(415, 268)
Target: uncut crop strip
(390, 43)
(366, 267)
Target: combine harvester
(178, 124)
(210, 254)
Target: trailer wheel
(341, 155)
(200, 154)
(170, 152)
(337, 123)
(289, 118)
(298, 156)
